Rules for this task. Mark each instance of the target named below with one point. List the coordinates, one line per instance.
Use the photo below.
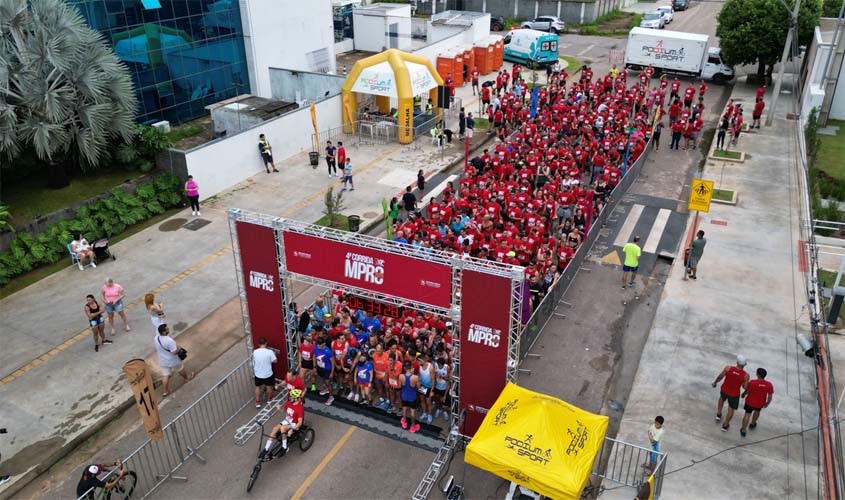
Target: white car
(551, 24)
(653, 20)
(668, 13)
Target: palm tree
(63, 92)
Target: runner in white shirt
(262, 368)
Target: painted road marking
(589, 48)
(179, 277)
(628, 227)
(719, 222)
(656, 231)
(319, 470)
(612, 258)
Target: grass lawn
(723, 194)
(572, 65)
(482, 123)
(722, 153)
(340, 222)
(28, 198)
(24, 280)
(831, 156)
(828, 279)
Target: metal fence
(546, 309)
(621, 463)
(156, 461)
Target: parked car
(680, 4)
(653, 20)
(668, 13)
(497, 23)
(551, 24)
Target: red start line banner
(415, 280)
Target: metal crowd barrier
(544, 311)
(621, 463)
(156, 461)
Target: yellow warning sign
(700, 194)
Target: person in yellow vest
(418, 102)
(266, 153)
(429, 109)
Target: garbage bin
(314, 157)
(354, 223)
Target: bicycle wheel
(125, 486)
(307, 439)
(253, 477)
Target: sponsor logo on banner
(484, 335)
(578, 438)
(525, 448)
(663, 54)
(261, 281)
(376, 84)
(364, 268)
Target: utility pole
(832, 67)
(793, 25)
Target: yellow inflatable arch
(396, 59)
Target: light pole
(793, 25)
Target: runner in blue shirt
(325, 370)
(363, 379)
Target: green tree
(754, 31)
(63, 92)
(830, 8)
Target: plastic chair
(74, 260)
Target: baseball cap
(94, 469)
(741, 361)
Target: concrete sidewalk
(747, 300)
(56, 390)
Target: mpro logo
(486, 335)
(663, 54)
(365, 268)
(261, 281)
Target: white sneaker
(198, 213)
(93, 264)
(193, 212)
(80, 266)
(350, 395)
(357, 398)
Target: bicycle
(303, 435)
(121, 491)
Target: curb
(741, 158)
(733, 201)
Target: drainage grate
(197, 224)
(791, 116)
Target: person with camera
(170, 358)
(89, 481)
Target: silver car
(653, 20)
(668, 13)
(551, 24)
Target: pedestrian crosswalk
(654, 220)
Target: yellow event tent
(539, 442)
(391, 73)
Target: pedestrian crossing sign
(700, 194)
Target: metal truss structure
(457, 263)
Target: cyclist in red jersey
(294, 417)
(736, 380)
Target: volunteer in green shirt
(632, 253)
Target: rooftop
(456, 17)
(251, 105)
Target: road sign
(700, 194)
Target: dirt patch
(617, 24)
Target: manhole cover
(196, 224)
(172, 224)
(370, 215)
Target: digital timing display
(374, 306)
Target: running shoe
(718, 418)
(350, 395)
(258, 404)
(404, 423)
(751, 426)
(323, 392)
(430, 418)
(330, 400)
(357, 398)
(379, 403)
(446, 416)
(437, 413)
(107, 341)
(387, 406)
(414, 428)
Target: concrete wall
(220, 164)
(272, 33)
(372, 29)
(295, 86)
(817, 56)
(570, 11)
(464, 38)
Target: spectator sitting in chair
(82, 249)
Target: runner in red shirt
(675, 88)
(689, 93)
(736, 380)
(761, 91)
(474, 81)
(702, 89)
(758, 395)
(758, 112)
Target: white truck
(676, 52)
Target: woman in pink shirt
(193, 191)
(113, 297)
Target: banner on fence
(263, 289)
(141, 381)
(413, 279)
(485, 320)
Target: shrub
(105, 217)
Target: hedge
(106, 217)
